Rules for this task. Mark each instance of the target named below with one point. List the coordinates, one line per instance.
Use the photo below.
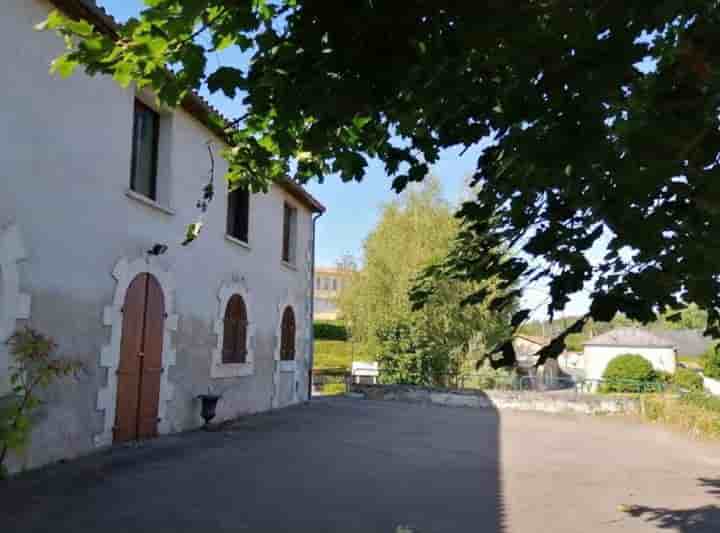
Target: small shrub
(628, 373)
(711, 362)
(33, 368)
(330, 331)
(664, 377)
(688, 380)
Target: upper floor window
(289, 233)
(235, 331)
(238, 214)
(287, 335)
(143, 172)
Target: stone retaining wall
(548, 402)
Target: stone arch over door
(125, 272)
(14, 305)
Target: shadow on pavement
(335, 464)
(705, 519)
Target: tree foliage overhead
(587, 140)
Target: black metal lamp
(157, 249)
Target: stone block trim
(218, 369)
(14, 305)
(124, 272)
(300, 349)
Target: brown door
(138, 390)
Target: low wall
(548, 402)
(711, 385)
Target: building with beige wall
(329, 282)
(94, 176)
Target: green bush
(628, 373)
(711, 363)
(688, 380)
(330, 331)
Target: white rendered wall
(65, 151)
(597, 358)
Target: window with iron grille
(287, 335)
(143, 171)
(235, 331)
(238, 214)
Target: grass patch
(696, 413)
(338, 354)
(333, 388)
(691, 362)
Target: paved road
(343, 465)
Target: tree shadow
(335, 464)
(705, 519)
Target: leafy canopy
(604, 117)
(419, 346)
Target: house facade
(97, 187)
(602, 349)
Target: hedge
(330, 331)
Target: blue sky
(353, 208)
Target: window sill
(289, 266)
(288, 366)
(232, 370)
(237, 241)
(148, 202)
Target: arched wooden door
(138, 388)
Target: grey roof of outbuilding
(631, 337)
(688, 342)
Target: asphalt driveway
(346, 465)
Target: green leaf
(123, 74)
(63, 66)
(228, 80)
(54, 21)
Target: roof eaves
(193, 103)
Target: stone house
(600, 350)
(96, 181)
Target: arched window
(287, 335)
(235, 331)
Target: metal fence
(330, 381)
(338, 380)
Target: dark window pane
(287, 335)
(288, 243)
(143, 176)
(238, 214)
(235, 331)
